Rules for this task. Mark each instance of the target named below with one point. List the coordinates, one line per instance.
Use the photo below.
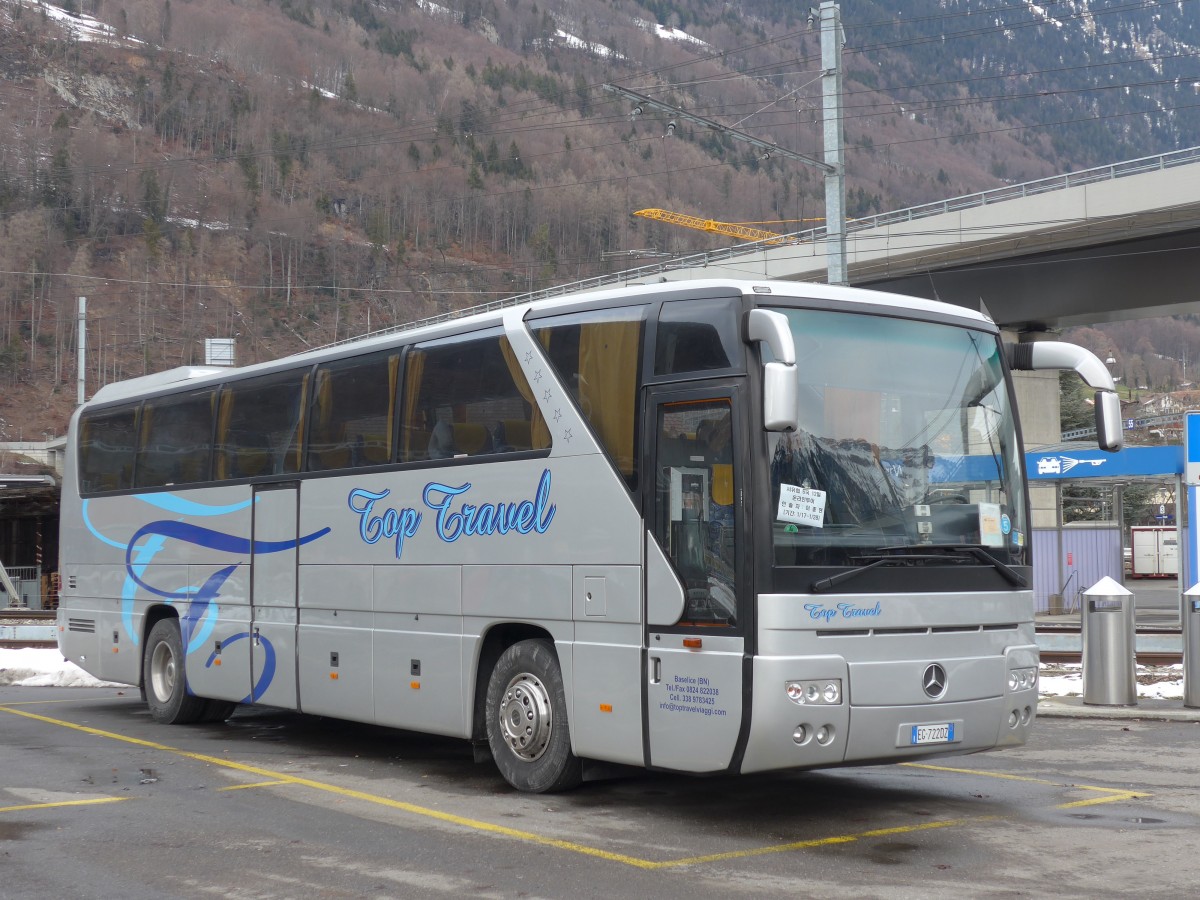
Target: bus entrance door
(273, 595)
(695, 663)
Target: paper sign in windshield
(991, 525)
(802, 506)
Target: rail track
(18, 628)
(1066, 657)
(1151, 657)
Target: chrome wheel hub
(162, 672)
(526, 717)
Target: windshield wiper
(823, 585)
(1011, 575)
(920, 554)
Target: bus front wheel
(527, 726)
(164, 679)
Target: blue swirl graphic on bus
(202, 600)
(147, 551)
(268, 671)
(212, 540)
(199, 610)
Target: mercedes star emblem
(934, 680)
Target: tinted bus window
(106, 449)
(350, 417)
(697, 336)
(176, 440)
(598, 357)
(467, 398)
(259, 427)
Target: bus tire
(526, 714)
(164, 677)
(217, 710)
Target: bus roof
(490, 315)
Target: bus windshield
(906, 444)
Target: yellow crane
(732, 229)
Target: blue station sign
(1053, 465)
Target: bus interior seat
(336, 457)
(517, 434)
(471, 438)
(373, 449)
(191, 469)
(251, 462)
(414, 444)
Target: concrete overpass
(1115, 242)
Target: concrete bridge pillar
(1038, 406)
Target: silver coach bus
(708, 526)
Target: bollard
(1109, 657)
(1191, 646)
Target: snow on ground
(1153, 682)
(47, 668)
(83, 28)
(35, 667)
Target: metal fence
(27, 580)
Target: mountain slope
(297, 172)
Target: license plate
(942, 733)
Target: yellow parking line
(531, 837)
(1003, 775)
(823, 842)
(93, 802)
(1112, 795)
(450, 818)
(257, 784)
(44, 702)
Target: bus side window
(696, 504)
(106, 450)
(467, 398)
(175, 446)
(259, 425)
(351, 412)
(598, 357)
(697, 336)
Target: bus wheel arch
(164, 679)
(526, 719)
(495, 641)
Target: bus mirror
(781, 390)
(772, 329)
(1037, 355)
(781, 394)
(1108, 421)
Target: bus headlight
(822, 692)
(1022, 679)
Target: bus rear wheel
(164, 678)
(527, 726)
